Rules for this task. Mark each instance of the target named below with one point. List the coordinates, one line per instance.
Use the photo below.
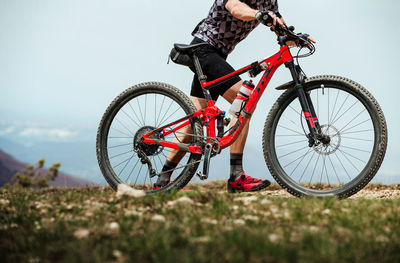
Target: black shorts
(214, 66)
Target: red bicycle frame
(211, 112)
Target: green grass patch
(205, 225)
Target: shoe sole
(259, 187)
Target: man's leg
(238, 180)
(175, 156)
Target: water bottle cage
(241, 107)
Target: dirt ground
(365, 193)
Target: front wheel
(355, 124)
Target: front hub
(330, 140)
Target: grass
(205, 225)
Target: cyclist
(228, 22)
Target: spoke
(302, 158)
(145, 106)
(134, 112)
(140, 110)
(340, 108)
(129, 136)
(356, 149)
(290, 130)
(162, 119)
(130, 118)
(132, 170)
(289, 135)
(298, 126)
(357, 139)
(333, 122)
(120, 154)
(291, 143)
(131, 133)
(306, 166)
(317, 103)
(172, 114)
(155, 109)
(344, 168)
(354, 126)
(352, 164)
(125, 165)
(346, 153)
(302, 148)
(159, 114)
(120, 145)
(328, 107)
(357, 131)
(343, 129)
(334, 168)
(160, 161)
(137, 177)
(334, 106)
(123, 162)
(315, 166)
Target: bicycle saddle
(188, 49)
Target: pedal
(201, 175)
(206, 163)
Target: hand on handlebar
(270, 18)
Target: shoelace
(249, 179)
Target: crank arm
(206, 163)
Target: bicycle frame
(211, 113)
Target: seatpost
(201, 76)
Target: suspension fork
(307, 107)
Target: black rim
(133, 116)
(330, 168)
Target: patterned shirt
(224, 31)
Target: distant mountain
(9, 166)
(77, 158)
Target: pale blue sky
(62, 62)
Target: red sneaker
(247, 183)
(159, 187)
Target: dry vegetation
(204, 225)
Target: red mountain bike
(324, 136)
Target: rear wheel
(355, 124)
(135, 112)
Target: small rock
(246, 199)
(81, 233)
(251, 218)
(126, 190)
(182, 200)
(274, 238)
(159, 218)
(239, 222)
(114, 227)
(209, 221)
(204, 239)
(4, 202)
(326, 212)
(265, 202)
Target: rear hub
(148, 149)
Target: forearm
(241, 10)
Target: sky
(62, 62)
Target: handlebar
(287, 33)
